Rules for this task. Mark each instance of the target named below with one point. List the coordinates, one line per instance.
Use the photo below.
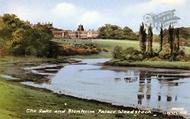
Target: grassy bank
(151, 64)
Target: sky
(68, 14)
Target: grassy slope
(111, 43)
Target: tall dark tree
(171, 39)
(142, 38)
(150, 39)
(161, 38)
(178, 39)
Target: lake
(161, 89)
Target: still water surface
(136, 87)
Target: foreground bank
(18, 101)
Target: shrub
(166, 52)
(155, 59)
(117, 52)
(132, 54)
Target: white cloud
(64, 9)
(68, 15)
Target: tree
(161, 38)
(109, 31)
(178, 39)
(171, 41)
(142, 38)
(150, 38)
(21, 38)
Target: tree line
(109, 31)
(21, 38)
(168, 49)
(146, 42)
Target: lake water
(128, 86)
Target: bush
(132, 54)
(129, 54)
(165, 53)
(117, 52)
(181, 56)
(154, 59)
(79, 49)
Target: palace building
(80, 33)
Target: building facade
(80, 33)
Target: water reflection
(144, 87)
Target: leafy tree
(22, 38)
(109, 31)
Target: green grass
(103, 43)
(153, 64)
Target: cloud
(67, 14)
(75, 15)
(64, 9)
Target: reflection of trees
(169, 83)
(130, 76)
(144, 91)
(144, 87)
